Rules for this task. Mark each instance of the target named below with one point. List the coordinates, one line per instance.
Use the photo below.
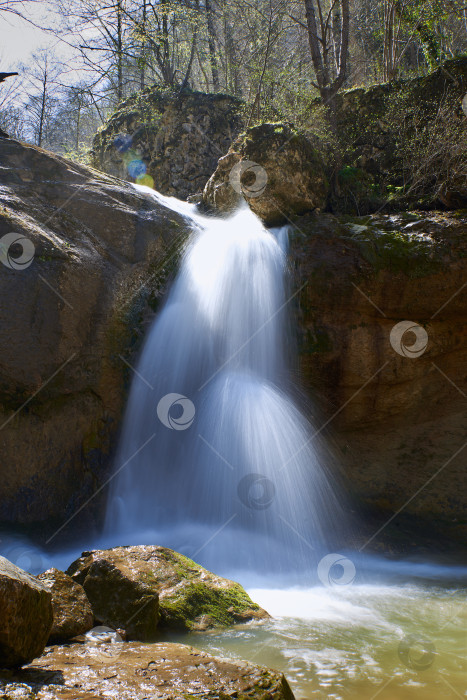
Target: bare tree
(328, 25)
(43, 88)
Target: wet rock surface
(134, 671)
(25, 615)
(72, 611)
(146, 588)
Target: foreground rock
(143, 588)
(72, 611)
(275, 168)
(139, 671)
(171, 141)
(95, 255)
(25, 615)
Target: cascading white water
(227, 474)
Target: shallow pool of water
(360, 641)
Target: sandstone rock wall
(94, 253)
(393, 416)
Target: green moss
(396, 250)
(196, 598)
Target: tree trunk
(142, 75)
(119, 52)
(320, 48)
(43, 107)
(212, 45)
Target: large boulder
(169, 140)
(83, 259)
(143, 587)
(25, 615)
(136, 671)
(278, 171)
(394, 414)
(71, 609)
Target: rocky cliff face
(389, 397)
(169, 141)
(80, 252)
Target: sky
(19, 38)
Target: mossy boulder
(277, 170)
(72, 611)
(125, 583)
(168, 140)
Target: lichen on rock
(163, 671)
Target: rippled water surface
(390, 643)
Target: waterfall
(215, 458)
